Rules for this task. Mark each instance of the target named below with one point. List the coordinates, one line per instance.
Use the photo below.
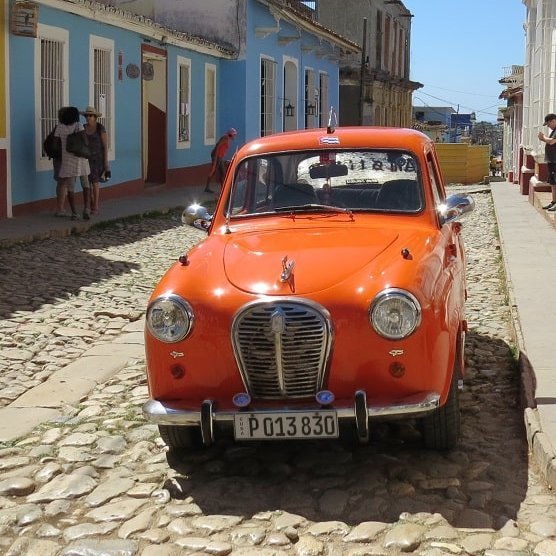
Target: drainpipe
(362, 78)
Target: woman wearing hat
(98, 143)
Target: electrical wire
(449, 102)
(462, 92)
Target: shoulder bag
(53, 145)
(77, 143)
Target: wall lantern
(289, 108)
(310, 109)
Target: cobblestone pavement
(99, 481)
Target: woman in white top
(71, 166)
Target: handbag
(77, 143)
(53, 145)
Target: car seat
(296, 194)
(399, 195)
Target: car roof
(341, 138)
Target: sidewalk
(24, 229)
(528, 241)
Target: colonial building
(168, 81)
(133, 71)
(375, 87)
(285, 71)
(539, 87)
(4, 192)
(512, 118)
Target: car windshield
(362, 180)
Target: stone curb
(68, 386)
(79, 227)
(19, 421)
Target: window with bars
(52, 82)
(268, 96)
(184, 100)
(210, 103)
(310, 99)
(324, 99)
(102, 84)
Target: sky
(460, 50)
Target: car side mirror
(455, 207)
(197, 216)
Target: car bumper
(169, 413)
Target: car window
(377, 180)
(436, 188)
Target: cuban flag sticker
(328, 140)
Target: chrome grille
(282, 348)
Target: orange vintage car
(329, 293)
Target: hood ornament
(287, 272)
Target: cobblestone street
(98, 481)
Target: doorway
(154, 114)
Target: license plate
(279, 425)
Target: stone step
(540, 199)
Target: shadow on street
(44, 272)
(481, 484)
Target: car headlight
(395, 314)
(169, 318)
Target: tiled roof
(298, 10)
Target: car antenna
(332, 127)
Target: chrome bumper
(168, 413)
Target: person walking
(550, 157)
(98, 144)
(217, 158)
(70, 166)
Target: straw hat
(91, 110)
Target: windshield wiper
(314, 206)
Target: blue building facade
(166, 94)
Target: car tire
(441, 428)
(181, 437)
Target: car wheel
(441, 428)
(181, 437)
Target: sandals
(61, 214)
(74, 216)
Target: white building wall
(540, 72)
(220, 21)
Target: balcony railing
(514, 70)
(307, 8)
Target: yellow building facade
(3, 111)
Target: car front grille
(282, 348)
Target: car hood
(254, 262)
